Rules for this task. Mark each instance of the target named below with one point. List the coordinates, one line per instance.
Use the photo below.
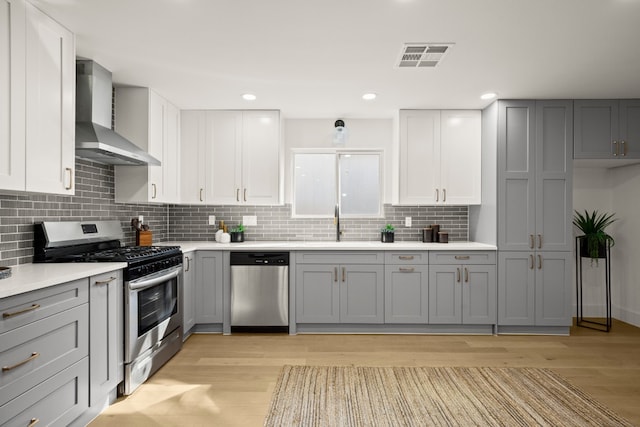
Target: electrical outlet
(140, 219)
(250, 220)
(212, 220)
(407, 221)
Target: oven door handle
(153, 280)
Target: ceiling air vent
(419, 55)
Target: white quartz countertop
(331, 246)
(31, 277)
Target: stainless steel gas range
(152, 287)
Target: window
(351, 179)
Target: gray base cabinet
(106, 335)
(533, 288)
(461, 291)
(406, 287)
(330, 289)
(208, 289)
(44, 349)
(189, 294)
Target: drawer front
(25, 308)
(31, 354)
(455, 257)
(334, 257)
(57, 401)
(421, 257)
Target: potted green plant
(387, 234)
(237, 233)
(595, 240)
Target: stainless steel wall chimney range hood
(95, 140)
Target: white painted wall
(625, 183)
(612, 190)
(363, 134)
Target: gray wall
(94, 200)
(275, 223)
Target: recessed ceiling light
(249, 97)
(488, 95)
(369, 96)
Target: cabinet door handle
(405, 257)
(539, 262)
(624, 148)
(531, 262)
(532, 244)
(539, 241)
(201, 199)
(245, 195)
(407, 269)
(462, 257)
(34, 355)
(237, 194)
(458, 274)
(188, 264)
(615, 148)
(155, 191)
(33, 422)
(437, 194)
(344, 274)
(444, 195)
(104, 282)
(466, 275)
(70, 175)
(26, 310)
(335, 274)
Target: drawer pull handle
(26, 310)
(406, 257)
(33, 422)
(27, 360)
(105, 282)
(463, 257)
(407, 270)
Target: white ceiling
(315, 58)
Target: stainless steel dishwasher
(260, 291)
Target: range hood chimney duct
(95, 140)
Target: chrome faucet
(336, 221)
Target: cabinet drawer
(454, 257)
(421, 257)
(335, 257)
(57, 401)
(41, 349)
(25, 308)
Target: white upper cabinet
(232, 157)
(37, 101)
(440, 159)
(153, 124)
(12, 87)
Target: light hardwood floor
(220, 380)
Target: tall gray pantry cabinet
(534, 211)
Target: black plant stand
(581, 321)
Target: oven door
(153, 311)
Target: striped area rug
(366, 396)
